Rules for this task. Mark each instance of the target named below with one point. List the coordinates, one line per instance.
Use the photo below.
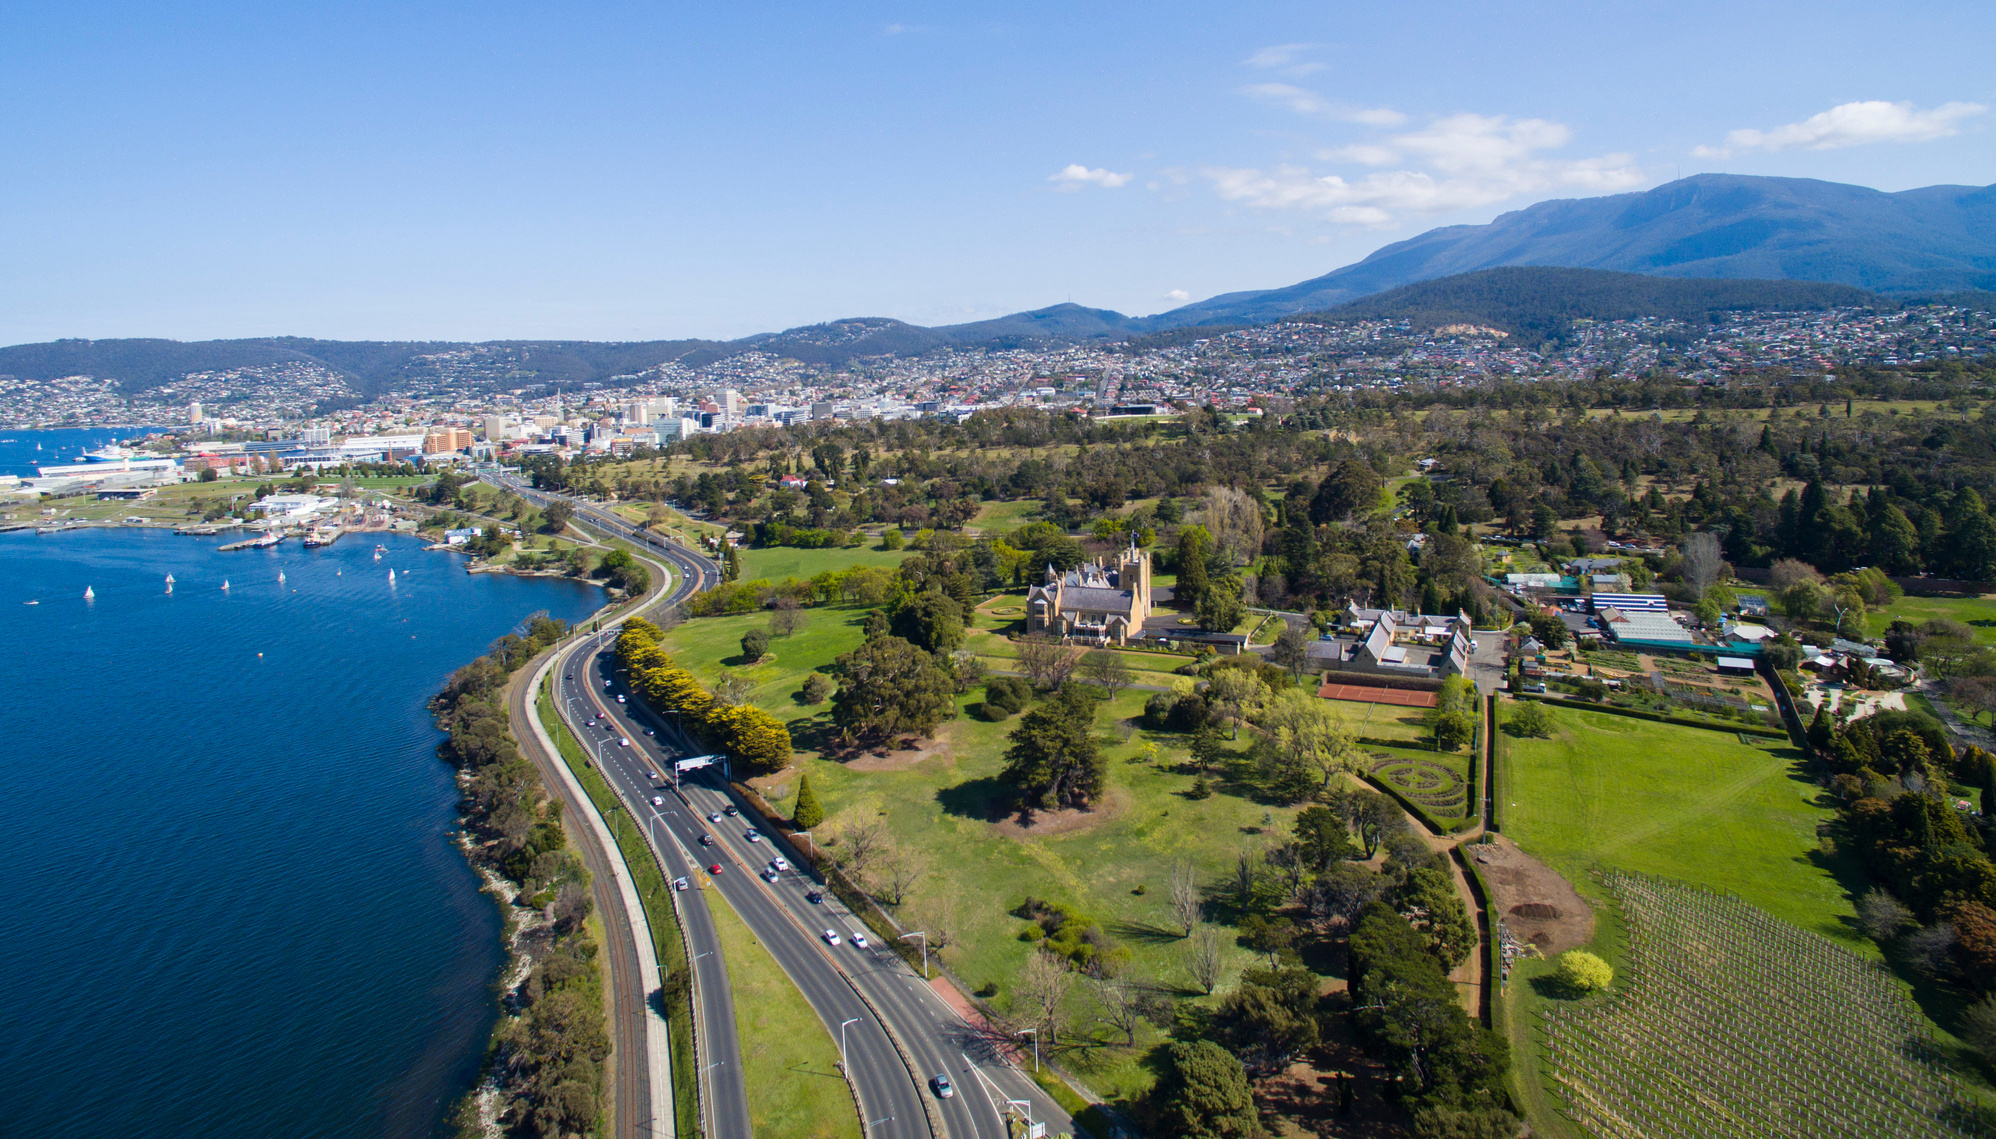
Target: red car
(714, 869)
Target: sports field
(1382, 713)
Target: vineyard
(1729, 1022)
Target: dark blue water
(22, 451)
(234, 907)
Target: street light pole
(843, 1066)
(1035, 1034)
(923, 934)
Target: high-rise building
(495, 428)
(194, 413)
(316, 436)
(637, 412)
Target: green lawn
(981, 868)
(783, 561)
(1004, 517)
(1684, 803)
(1978, 613)
(789, 1061)
(1386, 721)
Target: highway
(869, 997)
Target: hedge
(1438, 826)
(1656, 717)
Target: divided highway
(897, 1033)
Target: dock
(260, 543)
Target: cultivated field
(1729, 1022)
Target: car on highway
(714, 869)
(679, 883)
(620, 699)
(778, 864)
(768, 875)
(730, 811)
(568, 676)
(650, 774)
(658, 800)
(706, 840)
(624, 741)
(858, 940)
(814, 896)
(752, 836)
(608, 683)
(831, 937)
(715, 817)
(942, 1085)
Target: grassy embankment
(938, 803)
(789, 1060)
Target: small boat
(89, 594)
(225, 583)
(31, 603)
(280, 577)
(391, 577)
(169, 579)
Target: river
(237, 909)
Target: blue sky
(487, 170)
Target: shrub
(1199, 790)
(891, 539)
(817, 688)
(1583, 972)
(990, 713)
(1008, 692)
(755, 645)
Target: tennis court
(1365, 694)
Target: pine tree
(808, 812)
(732, 569)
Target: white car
(624, 741)
(620, 699)
(769, 875)
(859, 941)
(715, 817)
(831, 937)
(778, 864)
(658, 800)
(752, 836)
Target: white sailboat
(391, 577)
(280, 577)
(225, 583)
(89, 594)
(169, 579)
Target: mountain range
(1712, 242)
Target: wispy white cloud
(1178, 296)
(1306, 102)
(1286, 58)
(1455, 162)
(1851, 124)
(1074, 176)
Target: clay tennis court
(1362, 694)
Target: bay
(237, 909)
(21, 451)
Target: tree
(787, 619)
(1882, 916)
(1549, 630)
(1043, 987)
(731, 690)
(731, 564)
(755, 645)
(1322, 837)
(1204, 1094)
(1183, 893)
(1219, 606)
(1352, 487)
(1454, 730)
(1292, 650)
(1193, 544)
(1583, 972)
(1046, 661)
(1306, 735)
(1701, 559)
(807, 812)
(1239, 691)
(1433, 907)
(1375, 817)
(888, 686)
(1053, 760)
(1204, 954)
(816, 688)
(1529, 718)
(931, 620)
(1106, 669)
(892, 538)
(754, 739)
(556, 514)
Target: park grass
(1386, 721)
(997, 517)
(1691, 804)
(789, 1060)
(1978, 613)
(937, 802)
(779, 562)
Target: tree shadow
(814, 733)
(1145, 932)
(985, 799)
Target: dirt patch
(1539, 907)
(1045, 823)
(905, 752)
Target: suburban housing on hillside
(1095, 603)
